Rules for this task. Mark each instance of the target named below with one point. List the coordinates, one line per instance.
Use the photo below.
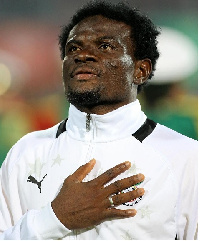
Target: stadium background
(31, 90)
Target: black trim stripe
(145, 130)
(61, 128)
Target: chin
(83, 97)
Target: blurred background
(31, 90)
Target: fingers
(126, 197)
(112, 173)
(119, 199)
(123, 184)
(82, 171)
(118, 213)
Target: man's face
(98, 68)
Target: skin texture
(101, 49)
(89, 205)
(100, 74)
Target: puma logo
(33, 180)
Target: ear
(142, 71)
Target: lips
(84, 73)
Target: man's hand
(84, 204)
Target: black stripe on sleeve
(61, 128)
(145, 130)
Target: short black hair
(143, 32)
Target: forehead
(98, 26)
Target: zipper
(90, 137)
(88, 119)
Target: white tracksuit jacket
(36, 166)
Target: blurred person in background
(28, 88)
(165, 99)
(54, 183)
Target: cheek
(122, 67)
(118, 78)
(65, 69)
(128, 66)
(127, 61)
(65, 75)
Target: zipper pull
(88, 119)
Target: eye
(106, 46)
(72, 48)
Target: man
(107, 172)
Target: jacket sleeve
(187, 212)
(15, 223)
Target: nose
(85, 56)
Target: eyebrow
(107, 37)
(79, 42)
(74, 41)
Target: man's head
(117, 43)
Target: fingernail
(132, 212)
(140, 176)
(92, 161)
(127, 164)
(140, 191)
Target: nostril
(90, 59)
(84, 58)
(77, 60)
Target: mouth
(84, 73)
